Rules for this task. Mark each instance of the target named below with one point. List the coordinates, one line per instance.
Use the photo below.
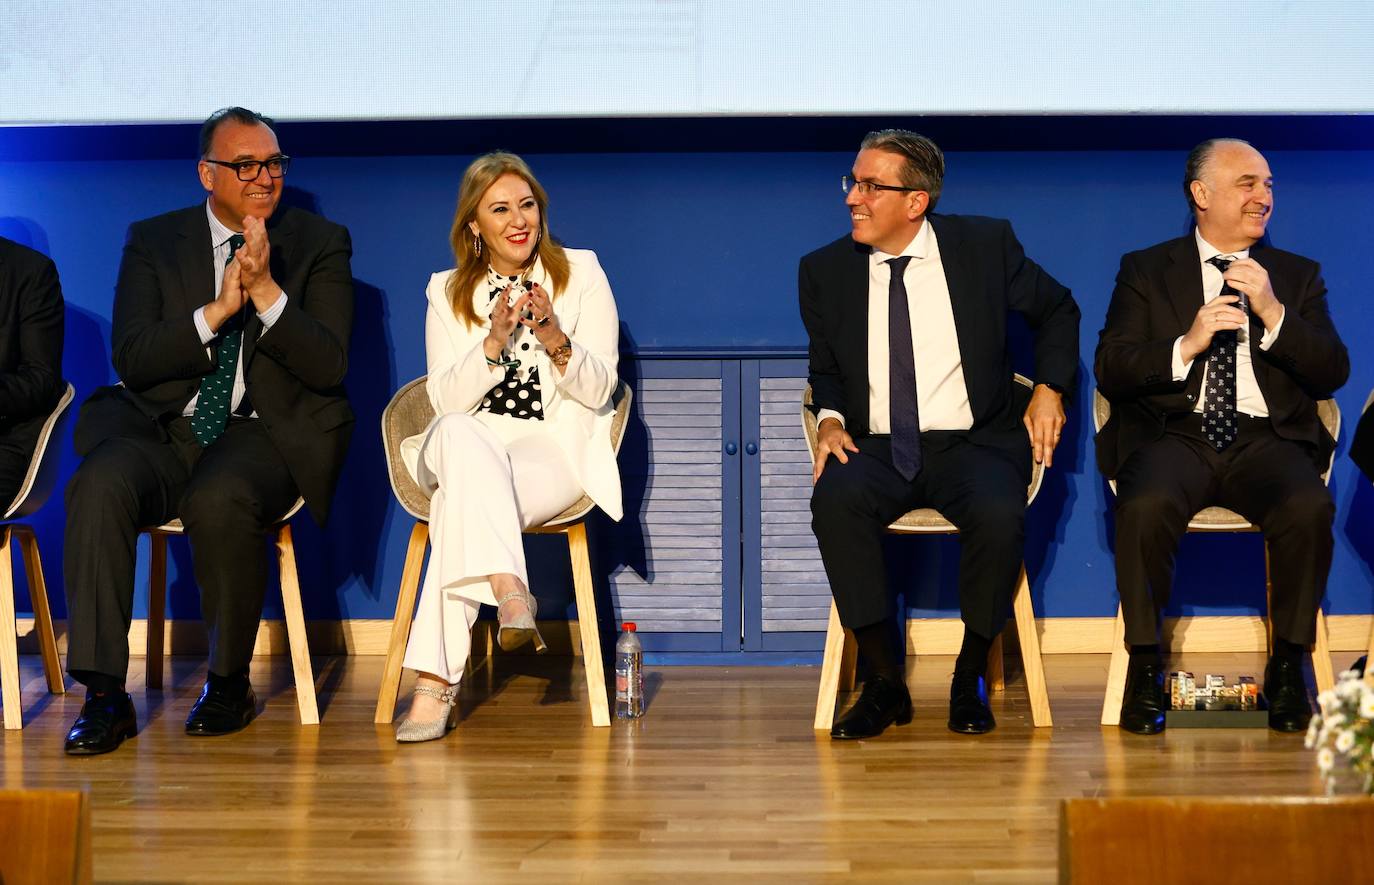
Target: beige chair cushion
(924, 520)
(174, 527)
(1219, 519)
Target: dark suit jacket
(1362, 446)
(30, 349)
(1158, 293)
(988, 275)
(294, 372)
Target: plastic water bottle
(629, 674)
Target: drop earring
(477, 245)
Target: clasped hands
(506, 316)
(1044, 422)
(1221, 313)
(246, 278)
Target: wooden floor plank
(723, 779)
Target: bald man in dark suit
(1214, 354)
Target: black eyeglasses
(867, 187)
(249, 170)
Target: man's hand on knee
(1044, 422)
(831, 439)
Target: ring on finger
(542, 321)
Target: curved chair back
(410, 412)
(1219, 519)
(924, 519)
(41, 477)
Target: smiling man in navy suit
(917, 407)
(230, 337)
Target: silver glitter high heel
(409, 731)
(519, 627)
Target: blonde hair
(480, 175)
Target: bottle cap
(628, 626)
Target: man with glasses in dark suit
(230, 338)
(916, 406)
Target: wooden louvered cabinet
(715, 554)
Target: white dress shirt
(1249, 399)
(219, 238)
(941, 394)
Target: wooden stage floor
(724, 780)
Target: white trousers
(490, 477)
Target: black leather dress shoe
(968, 704)
(103, 724)
(1285, 689)
(1142, 706)
(883, 702)
(224, 707)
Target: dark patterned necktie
(901, 378)
(217, 389)
(1219, 407)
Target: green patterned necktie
(217, 389)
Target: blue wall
(701, 245)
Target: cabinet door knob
(751, 449)
(731, 448)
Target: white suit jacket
(576, 406)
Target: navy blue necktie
(211, 414)
(1219, 406)
(901, 376)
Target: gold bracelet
(560, 355)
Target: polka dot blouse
(517, 394)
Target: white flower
(1367, 705)
(1325, 759)
(1345, 741)
(1312, 729)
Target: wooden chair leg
(1116, 673)
(997, 674)
(832, 667)
(42, 615)
(1321, 656)
(295, 627)
(1369, 657)
(1031, 662)
(587, 624)
(400, 623)
(157, 608)
(849, 662)
(9, 639)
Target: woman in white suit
(521, 340)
